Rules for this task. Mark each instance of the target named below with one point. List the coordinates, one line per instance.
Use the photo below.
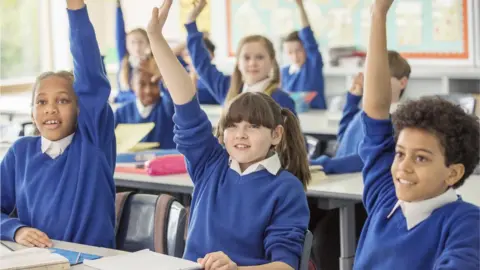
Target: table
(340, 191)
(104, 252)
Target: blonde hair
(237, 81)
(124, 76)
(261, 109)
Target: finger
(220, 262)
(166, 6)
(43, 237)
(225, 267)
(32, 238)
(154, 13)
(209, 262)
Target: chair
(307, 248)
(155, 222)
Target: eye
(41, 102)
(229, 125)
(260, 57)
(399, 154)
(254, 126)
(422, 159)
(63, 101)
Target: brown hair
(293, 36)
(124, 77)
(66, 75)
(237, 81)
(399, 67)
(260, 109)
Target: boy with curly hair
(411, 171)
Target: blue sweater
(310, 75)
(161, 115)
(216, 82)
(255, 219)
(350, 135)
(448, 239)
(70, 198)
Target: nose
(406, 165)
(51, 109)
(241, 133)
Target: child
(61, 183)
(242, 179)
(412, 169)
(149, 106)
(306, 71)
(252, 73)
(350, 133)
(132, 48)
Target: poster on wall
(424, 29)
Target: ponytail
(124, 76)
(292, 150)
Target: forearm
(377, 97)
(75, 4)
(175, 76)
(303, 16)
(268, 266)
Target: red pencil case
(165, 165)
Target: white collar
(271, 164)
(144, 111)
(56, 148)
(294, 68)
(393, 107)
(416, 212)
(258, 86)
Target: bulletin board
(422, 29)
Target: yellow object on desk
(129, 136)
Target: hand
(382, 6)
(198, 6)
(357, 85)
(119, 3)
(75, 4)
(159, 17)
(31, 237)
(299, 3)
(217, 261)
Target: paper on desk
(145, 260)
(143, 146)
(129, 135)
(317, 173)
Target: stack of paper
(145, 260)
(128, 137)
(33, 258)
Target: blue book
(74, 257)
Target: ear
(277, 135)
(456, 173)
(404, 82)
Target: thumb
(200, 260)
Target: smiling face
(419, 171)
(254, 62)
(146, 89)
(55, 108)
(138, 45)
(250, 143)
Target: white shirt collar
(257, 87)
(293, 69)
(271, 164)
(416, 212)
(393, 107)
(56, 148)
(144, 111)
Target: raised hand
(381, 6)
(198, 6)
(357, 85)
(32, 237)
(75, 4)
(159, 17)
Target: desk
(341, 191)
(104, 252)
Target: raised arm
(217, 83)
(378, 94)
(354, 96)
(308, 39)
(378, 147)
(91, 84)
(120, 34)
(193, 130)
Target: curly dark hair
(457, 131)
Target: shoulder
(126, 106)
(288, 185)
(284, 70)
(24, 144)
(281, 93)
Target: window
(20, 40)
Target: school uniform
(309, 76)
(438, 233)
(65, 188)
(160, 113)
(218, 83)
(255, 217)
